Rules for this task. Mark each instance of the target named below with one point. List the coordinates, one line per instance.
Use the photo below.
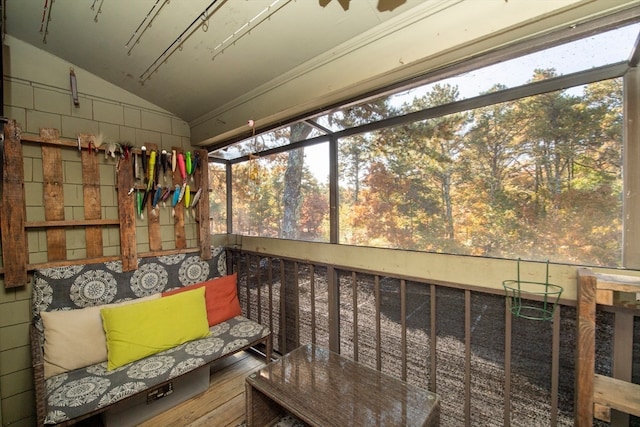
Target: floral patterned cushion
(79, 392)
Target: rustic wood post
(53, 192)
(585, 347)
(91, 197)
(126, 214)
(202, 208)
(14, 237)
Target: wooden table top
(325, 389)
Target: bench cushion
(75, 393)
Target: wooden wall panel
(14, 238)
(91, 197)
(127, 214)
(53, 181)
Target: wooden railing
(488, 367)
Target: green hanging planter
(532, 300)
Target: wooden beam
(91, 196)
(202, 208)
(126, 214)
(617, 394)
(72, 223)
(53, 190)
(14, 238)
(585, 347)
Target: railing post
(585, 347)
(334, 310)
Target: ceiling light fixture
(200, 21)
(149, 20)
(247, 27)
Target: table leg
(260, 410)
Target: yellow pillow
(140, 330)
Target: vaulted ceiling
(218, 63)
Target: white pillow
(74, 339)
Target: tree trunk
(292, 182)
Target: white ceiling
(94, 35)
(248, 45)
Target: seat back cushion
(221, 297)
(139, 330)
(75, 338)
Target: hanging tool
(165, 196)
(188, 163)
(163, 163)
(139, 203)
(156, 199)
(174, 202)
(195, 201)
(150, 177)
(187, 196)
(196, 162)
(183, 174)
(143, 155)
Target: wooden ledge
(617, 394)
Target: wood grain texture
(617, 394)
(91, 197)
(126, 215)
(14, 238)
(585, 347)
(223, 404)
(53, 192)
(202, 208)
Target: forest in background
(538, 178)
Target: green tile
(15, 312)
(19, 410)
(14, 336)
(16, 383)
(15, 360)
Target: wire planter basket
(532, 300)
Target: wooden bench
(68, 397)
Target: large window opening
(476, 163)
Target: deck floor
(223, 405)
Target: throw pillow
(221, 296)
(75, 339)
(137, 331)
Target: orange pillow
(220, 295)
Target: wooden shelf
(76, 223)
(618, 282)
(617, 394)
